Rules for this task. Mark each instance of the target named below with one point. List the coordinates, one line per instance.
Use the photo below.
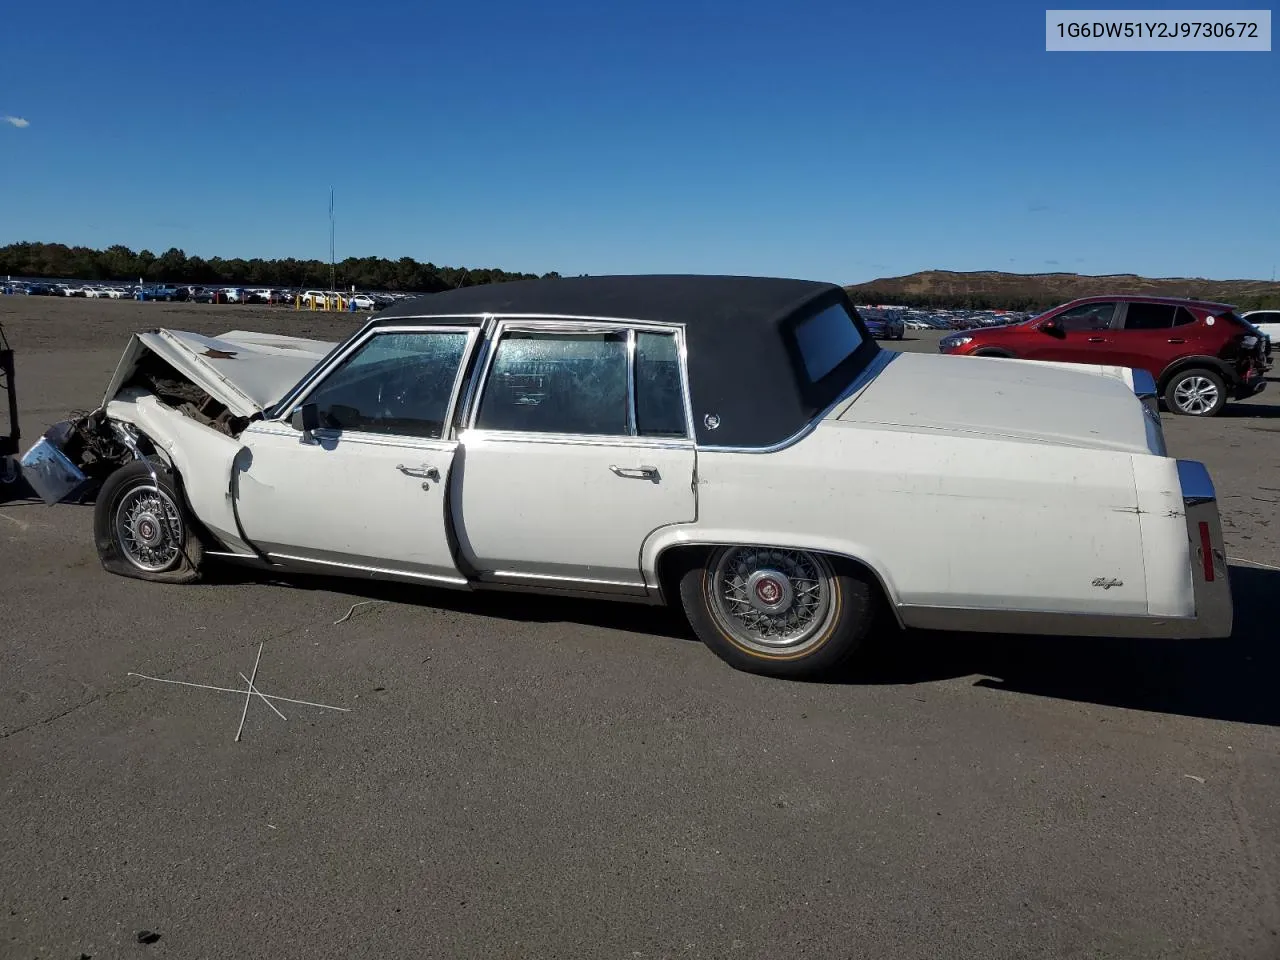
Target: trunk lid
(1088, 407)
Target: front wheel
(141, 529)
(785, 613)
(1196, 393)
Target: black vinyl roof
(745, 374)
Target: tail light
(1206, 552)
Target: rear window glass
(826, 340)
(1148, 316)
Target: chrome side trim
(376, 571)
(579, 583)
(575, 439)
(1041, 623)
(864, 377)
(228, 555)
(1196, 484)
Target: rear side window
(826, 340)
(573, 383)
(1148, 316)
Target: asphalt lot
(544, 778)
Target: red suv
(1199, 353)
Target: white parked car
(1268, 321)
(362, 301)
(321, 298)
(740, 447)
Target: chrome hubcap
(1195, 395)
(149, 529)
(772, 600)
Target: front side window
(1148, 316)
(573, 383)
(1088, 316)
(396, 383)
(826, 340)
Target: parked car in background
(363, 301)
(1267, 321)
(159, 291)
(883, 325)
(739, 447)
(1199, 353)
(320, 298)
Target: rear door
(1153, 335)
(579, 447)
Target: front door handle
(1176, 340)
(424, 471)
(1097, 339)
(636, 473)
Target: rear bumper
(1250, 386)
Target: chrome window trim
(398, 440)
(868, 373)
(446, 428)
(540, 323)
(631, 382)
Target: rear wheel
(786, 613)
(141, 529)
(1196, 393)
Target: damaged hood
(245, 371)
(1078, 406)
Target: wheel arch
(668, 553)
(1194, 362)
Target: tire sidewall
(1172, 386)
(853, 596)
(116, 487)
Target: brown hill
(1021, 291)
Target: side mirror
(1052, 326)
(306, 418)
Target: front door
(579, 449)
(1084, 335)
(366, 491)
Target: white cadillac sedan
(738, 446)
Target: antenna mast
(333, 269)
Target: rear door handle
(424, 471)
(1097, 339)
(636, 473)
(1176, 340)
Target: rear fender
(1216, 364)
(202, 457)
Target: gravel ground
(534, 777)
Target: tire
(1197, 392)
(131, 507)
(841, 612)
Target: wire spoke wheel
(148, 528)
(1195, 395)
(770, 600)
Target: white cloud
(16, 121)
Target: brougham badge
(712, 421)
(1106, 583)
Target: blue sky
(819, 140)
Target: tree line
(57, 261)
